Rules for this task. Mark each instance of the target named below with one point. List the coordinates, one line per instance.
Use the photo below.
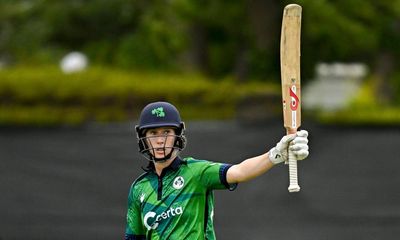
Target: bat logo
(294, 99)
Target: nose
(160, 139)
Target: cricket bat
(290, 77)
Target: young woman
(174, 199)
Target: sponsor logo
(178, 182)
(152, 220)
(294, 103)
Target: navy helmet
(155, 115)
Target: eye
(167, 131)
(152, 132)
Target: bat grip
(293, 181)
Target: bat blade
(290, 77)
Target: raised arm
(256, 166)
(249, 169)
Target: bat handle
(293, 181)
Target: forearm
(249, 169)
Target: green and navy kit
(179, 204)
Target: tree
(219, 38)
(359, 30)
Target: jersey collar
(175, 164)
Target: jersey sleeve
(213, 175)
(134, 226)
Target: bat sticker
(294, 119)
(295, 100)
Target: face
(160, 141)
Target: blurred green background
(213, 59)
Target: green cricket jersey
(177, 205)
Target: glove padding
(297, 143)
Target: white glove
(297, 143)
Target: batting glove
(297, 143)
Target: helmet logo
(159, 112)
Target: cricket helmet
(155, 115)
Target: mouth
(159, 150)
